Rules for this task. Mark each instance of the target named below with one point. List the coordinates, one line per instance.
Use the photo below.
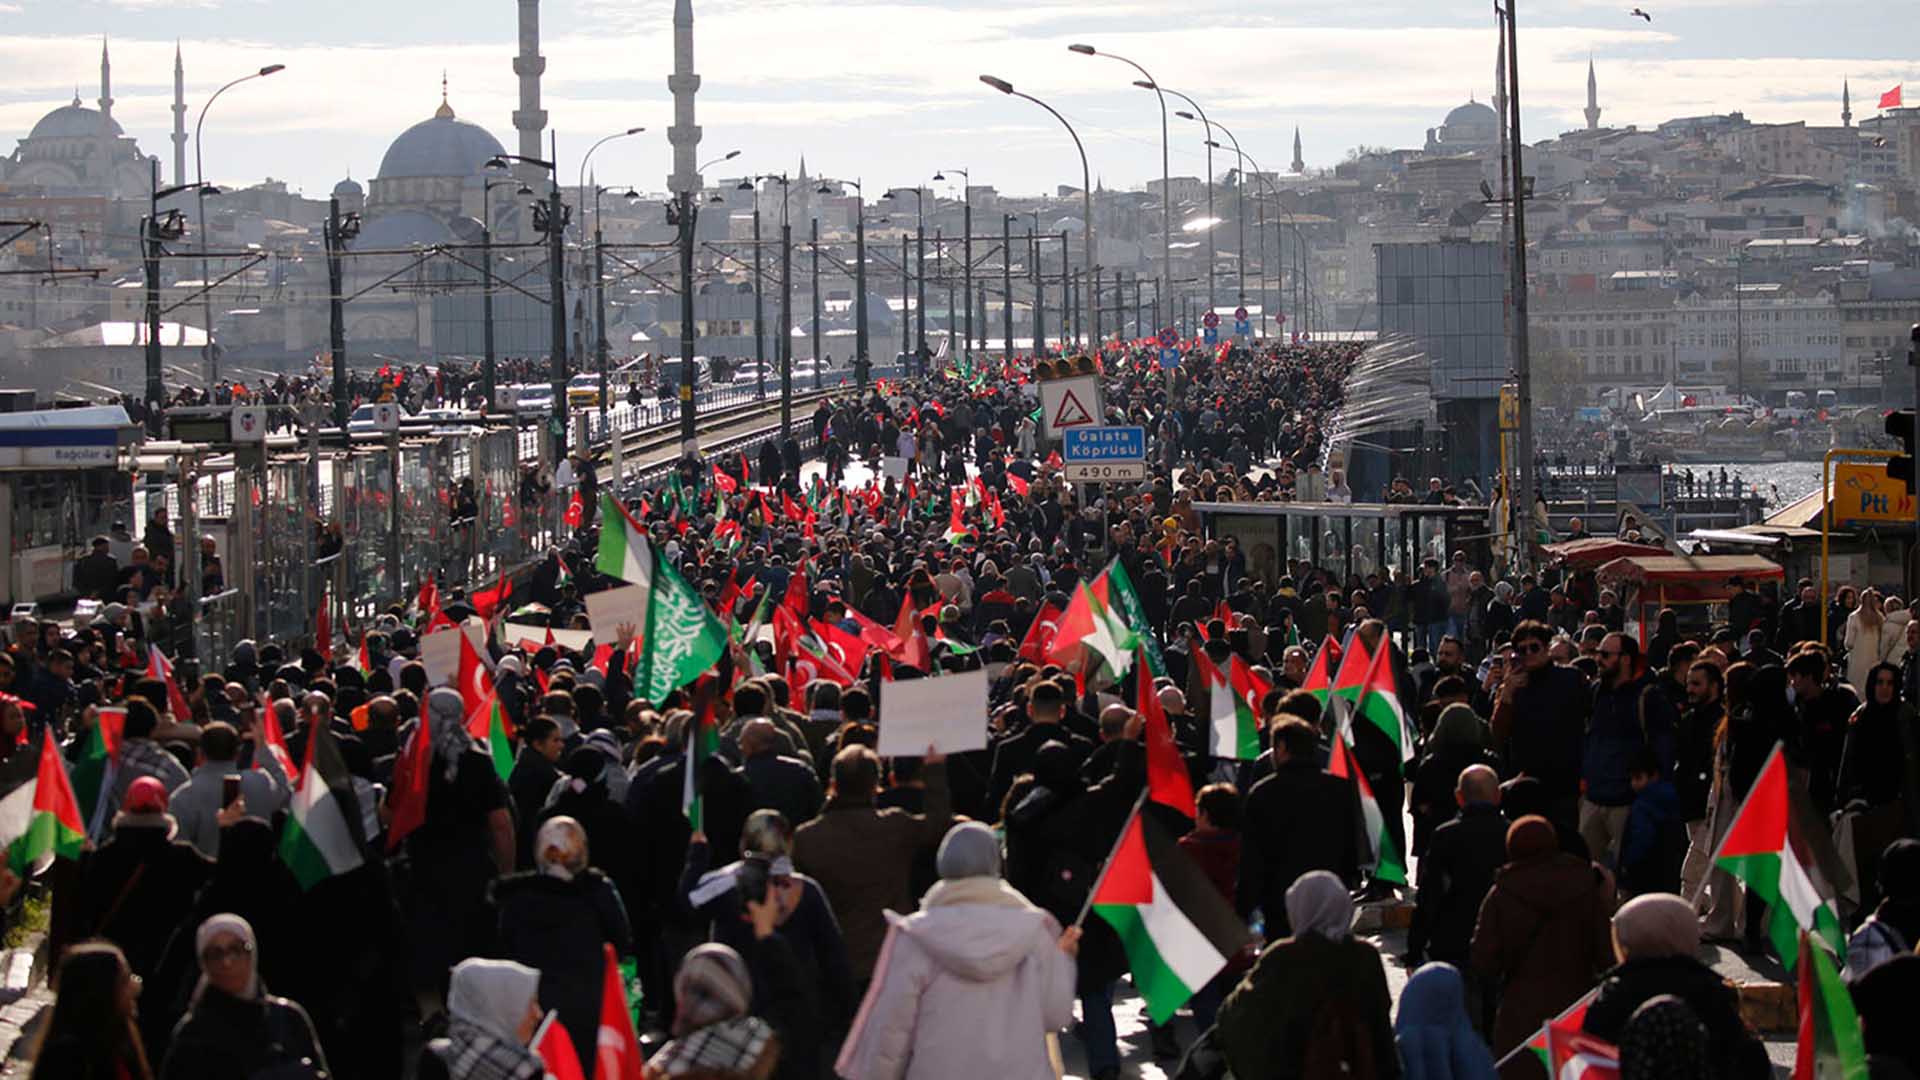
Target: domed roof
(440, 146)
(403, 228)
(1473, 114)
(349, 188)
(74, 121)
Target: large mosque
(76, 150)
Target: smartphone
(229, 788)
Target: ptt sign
(1863, 493)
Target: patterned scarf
(478, 1054)
(730, 1046)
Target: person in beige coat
(968, 986)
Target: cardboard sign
(948, 713)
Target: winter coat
(1625, 718)
(979, 959)
(138, 914)
(1736, 1052)
(1540, 733)
(1544, 935)
(1308, 994)
(1297, 820)
(863, 858)
(1463, 856)
(561, 928)
(1655, 844)
(783, 783)
(229, 1038)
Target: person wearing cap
(96, 573)
(978, 958)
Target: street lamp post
(599, 268)
(966, 253)
(155, 231)
(1086, 179)
(1166, 185)
(489, 367)
(550, 217)
(920, 294)
(861, 363)
(1208, 125)
(200, 185)
(1006, 288)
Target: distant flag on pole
(1891, 99)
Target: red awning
(1679, 579)
(1597, 551)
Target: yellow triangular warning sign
(1071, 413)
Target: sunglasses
(215, 954)
(1528, 648)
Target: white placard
(575, 640)
(948, 713)
(440, 654)
(607, 609)
(894, 467)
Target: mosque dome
(349, 189)
(74, 121)
(1472, 114)
(439, 147)
(403, 228)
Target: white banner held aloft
(440, 655)
(609, 608)
(948, 713)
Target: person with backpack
(1315, 1003)
(1894, 927)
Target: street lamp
(920, 257)
(155, 230)
(966, 254)
(1166, 185)
(550, 218)
(200, 181)
(783, 346)
(1086, 182)
(1208, 125)
(489, 366)
(861, 364)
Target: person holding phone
(219, 792)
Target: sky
(888, 91)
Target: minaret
(179, 118)
(1299, 164)
(1500, 80)
(530, 119)
(684, 134)
(103, 152)
(1846, 104)
(1593, 99)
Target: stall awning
(1680, 579)
(1598, 551)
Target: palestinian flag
(1178, 931)
(1319, 681)
(623, 550)
(1090, 622)
(1235, 728)
(362, 659)
(1386, 863)
(1573, 1054)
(1380, 701)
(1352, 676)
(1573, 1016)
(159, 668)
(93, 774)
(323, 834)
(39, 817)
(1830, 1041)
(703, 741)
(562, 576)
(682, 639)
(489, 727)
(1762, 850)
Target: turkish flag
(412, 772)
(555, 1048)
(847, 650)
(1891, 99)
(1018, 485)
(475, 682)
(576, 511)
(724, 482)
(1040, 635)
(808, 666)
(618, 1049)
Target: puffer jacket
(977, 959)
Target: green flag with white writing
(683, 640)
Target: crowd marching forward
(488, 836)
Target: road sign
(249, 424)
(1106, 445)
(1210, 335)
(1169, 337)
(1242, 328)
(1101, 472)
(504, 398)
(1240, 313)
(1070, 403)
(1169, 358)
(386, 416)
(1210, 320)
(1863, 492)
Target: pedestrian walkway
(22, 1001)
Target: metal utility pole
(1006, 288)
(920, 294)
(150, 253)
(1522, 364)
(1069, 299)
(336, 312)
(815, 223)
(862, 364)
(1039, 296)
(557, 295)
(906, 298)
(1739, 326)
(599, 312)
(759, 308)
(786, 316)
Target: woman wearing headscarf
(234, 1029)
(617, 848)
(1880, 768)
(1436, 1040)
(1460, 739)
(493, 1009)
(978, 957)
(1542, 935)
(1664, 1040)
(91, 1034)
(1315, 1003)
(1867, 639)
(1655, 937)
(560, 916)
(715, 1037)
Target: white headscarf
(1318, 903)
(227, 923)
(492, 995)
(560, 848)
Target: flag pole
(1700, 889)
(1107, 865)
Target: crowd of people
(796, 905)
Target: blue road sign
(1169, 358)
(1242, 327)
(1211, 335)
(1105, 445)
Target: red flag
(1017, 485)
(807, 666)
(488, 601)
(915, 650)
(1891, 99)
(791, 508)
(429, 599)
(576, 511)
(729, 596)
(746, 474)
(274, 743)
(722, 481)
(1040, 634)
(1224, 613)
(875, 634)
(786, 630)
(475, 682)
(1054, 462)
(619, 1050)
(847, 650)
(799, 598)
(1167, 780)
(323, 628)
(412, 771)
(555, 1049)
(158, 668)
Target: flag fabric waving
(1891, 99)
(489, 726)
(554, 1047)
(1380, 701)
(92, 775)
(322, 837)
(1089, 622)
(1235, 730)
(159, 668)
(1386, 863)
(682, 638)
(1761, 851)
(1573, 1054)
(1040, 634)
(412, 775)
(1830, 1042)
(618, 1054)
(1168, 782)
(1574, 1015)
(703, 741)
(39, 817)
(1352, 676)
(1176, 928)
(576, 514)
(624, 551)
(1115, 589)
(1319, 681)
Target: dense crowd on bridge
(670, 847)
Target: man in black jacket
(1539, 719)
(1298, 820)
(1046, 705)
(779, 782)
(1461, 860)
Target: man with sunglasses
(1539, 718)
(1630, 714)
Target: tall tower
(103, 149)
(179, 118)
(1593, 99)
(1500, 80)
(530, 119)
(684, 134)
(1299, 163)
(1846, 104)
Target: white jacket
(967, 988)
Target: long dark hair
(86, 1018)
